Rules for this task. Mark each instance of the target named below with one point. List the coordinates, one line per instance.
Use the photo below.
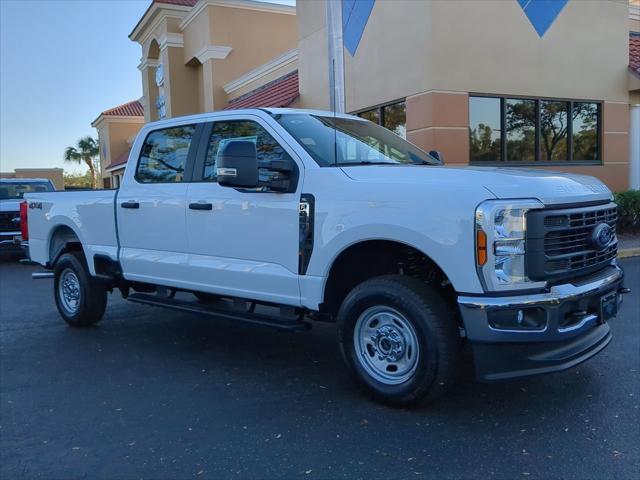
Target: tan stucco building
(117, 129)
(489, 82)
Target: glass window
(16, 190)
(223, 132)
(164, 155)
(371, 115)
(395, 118)
(553, 131)
(520, 129)
(347, 141)
(392, 117)
(534, 130)
(585, 131)
(485, 132)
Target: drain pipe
(634, 148)
(333, 12)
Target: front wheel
(399, 339)
(81, 299)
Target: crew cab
(12, 191)
(284, 217)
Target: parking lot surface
(151, 393)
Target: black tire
(206, 297)
(433, 328)
(91, 294)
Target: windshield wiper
(366, 162)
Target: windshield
(357, 142)
(16, 190)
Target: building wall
(117, 135)
(277, 71)
(255, 37)
(435, 54)
(120, 136)
(190, 49)
(313, 63)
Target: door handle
(201, 206)
(130, 204)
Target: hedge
(628, 211)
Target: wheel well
(373, 258)
(63, 240)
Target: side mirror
(238, 165)
(438, 156)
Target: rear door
(243, 242)
(151, 206)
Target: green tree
(85, 152)
(82, 180)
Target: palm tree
(86, 151)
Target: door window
(164, 155)
(223, 132)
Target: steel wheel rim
(69, 290)
(386, 345)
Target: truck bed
(90, 215)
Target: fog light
(518, 319)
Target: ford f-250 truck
(281, 217)
(12, 191)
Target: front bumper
(571, 327)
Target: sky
(62, 62)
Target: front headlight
(501, 227)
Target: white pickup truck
(281, 217)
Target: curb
(629, 252)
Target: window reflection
(392, 116)
(585, 131)
(521, 130)
(395, 118)
(267, 148)
(164, 155)
(371, 115)
(535, 130)
(553, 131)
(484, 129)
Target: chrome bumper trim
(556, 295)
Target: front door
(242, 242)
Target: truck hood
(549, 187)
(10, 205)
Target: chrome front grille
(561, 243)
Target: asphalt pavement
(151, 393)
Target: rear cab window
(164, 155)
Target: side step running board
(220, 312)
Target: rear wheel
(81, 299)
(399, 339)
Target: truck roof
(200, 117)
(24, 180)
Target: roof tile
(184, 3)
(281, 92)
(130, 109)
(634, 52)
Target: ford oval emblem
(602, 236)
